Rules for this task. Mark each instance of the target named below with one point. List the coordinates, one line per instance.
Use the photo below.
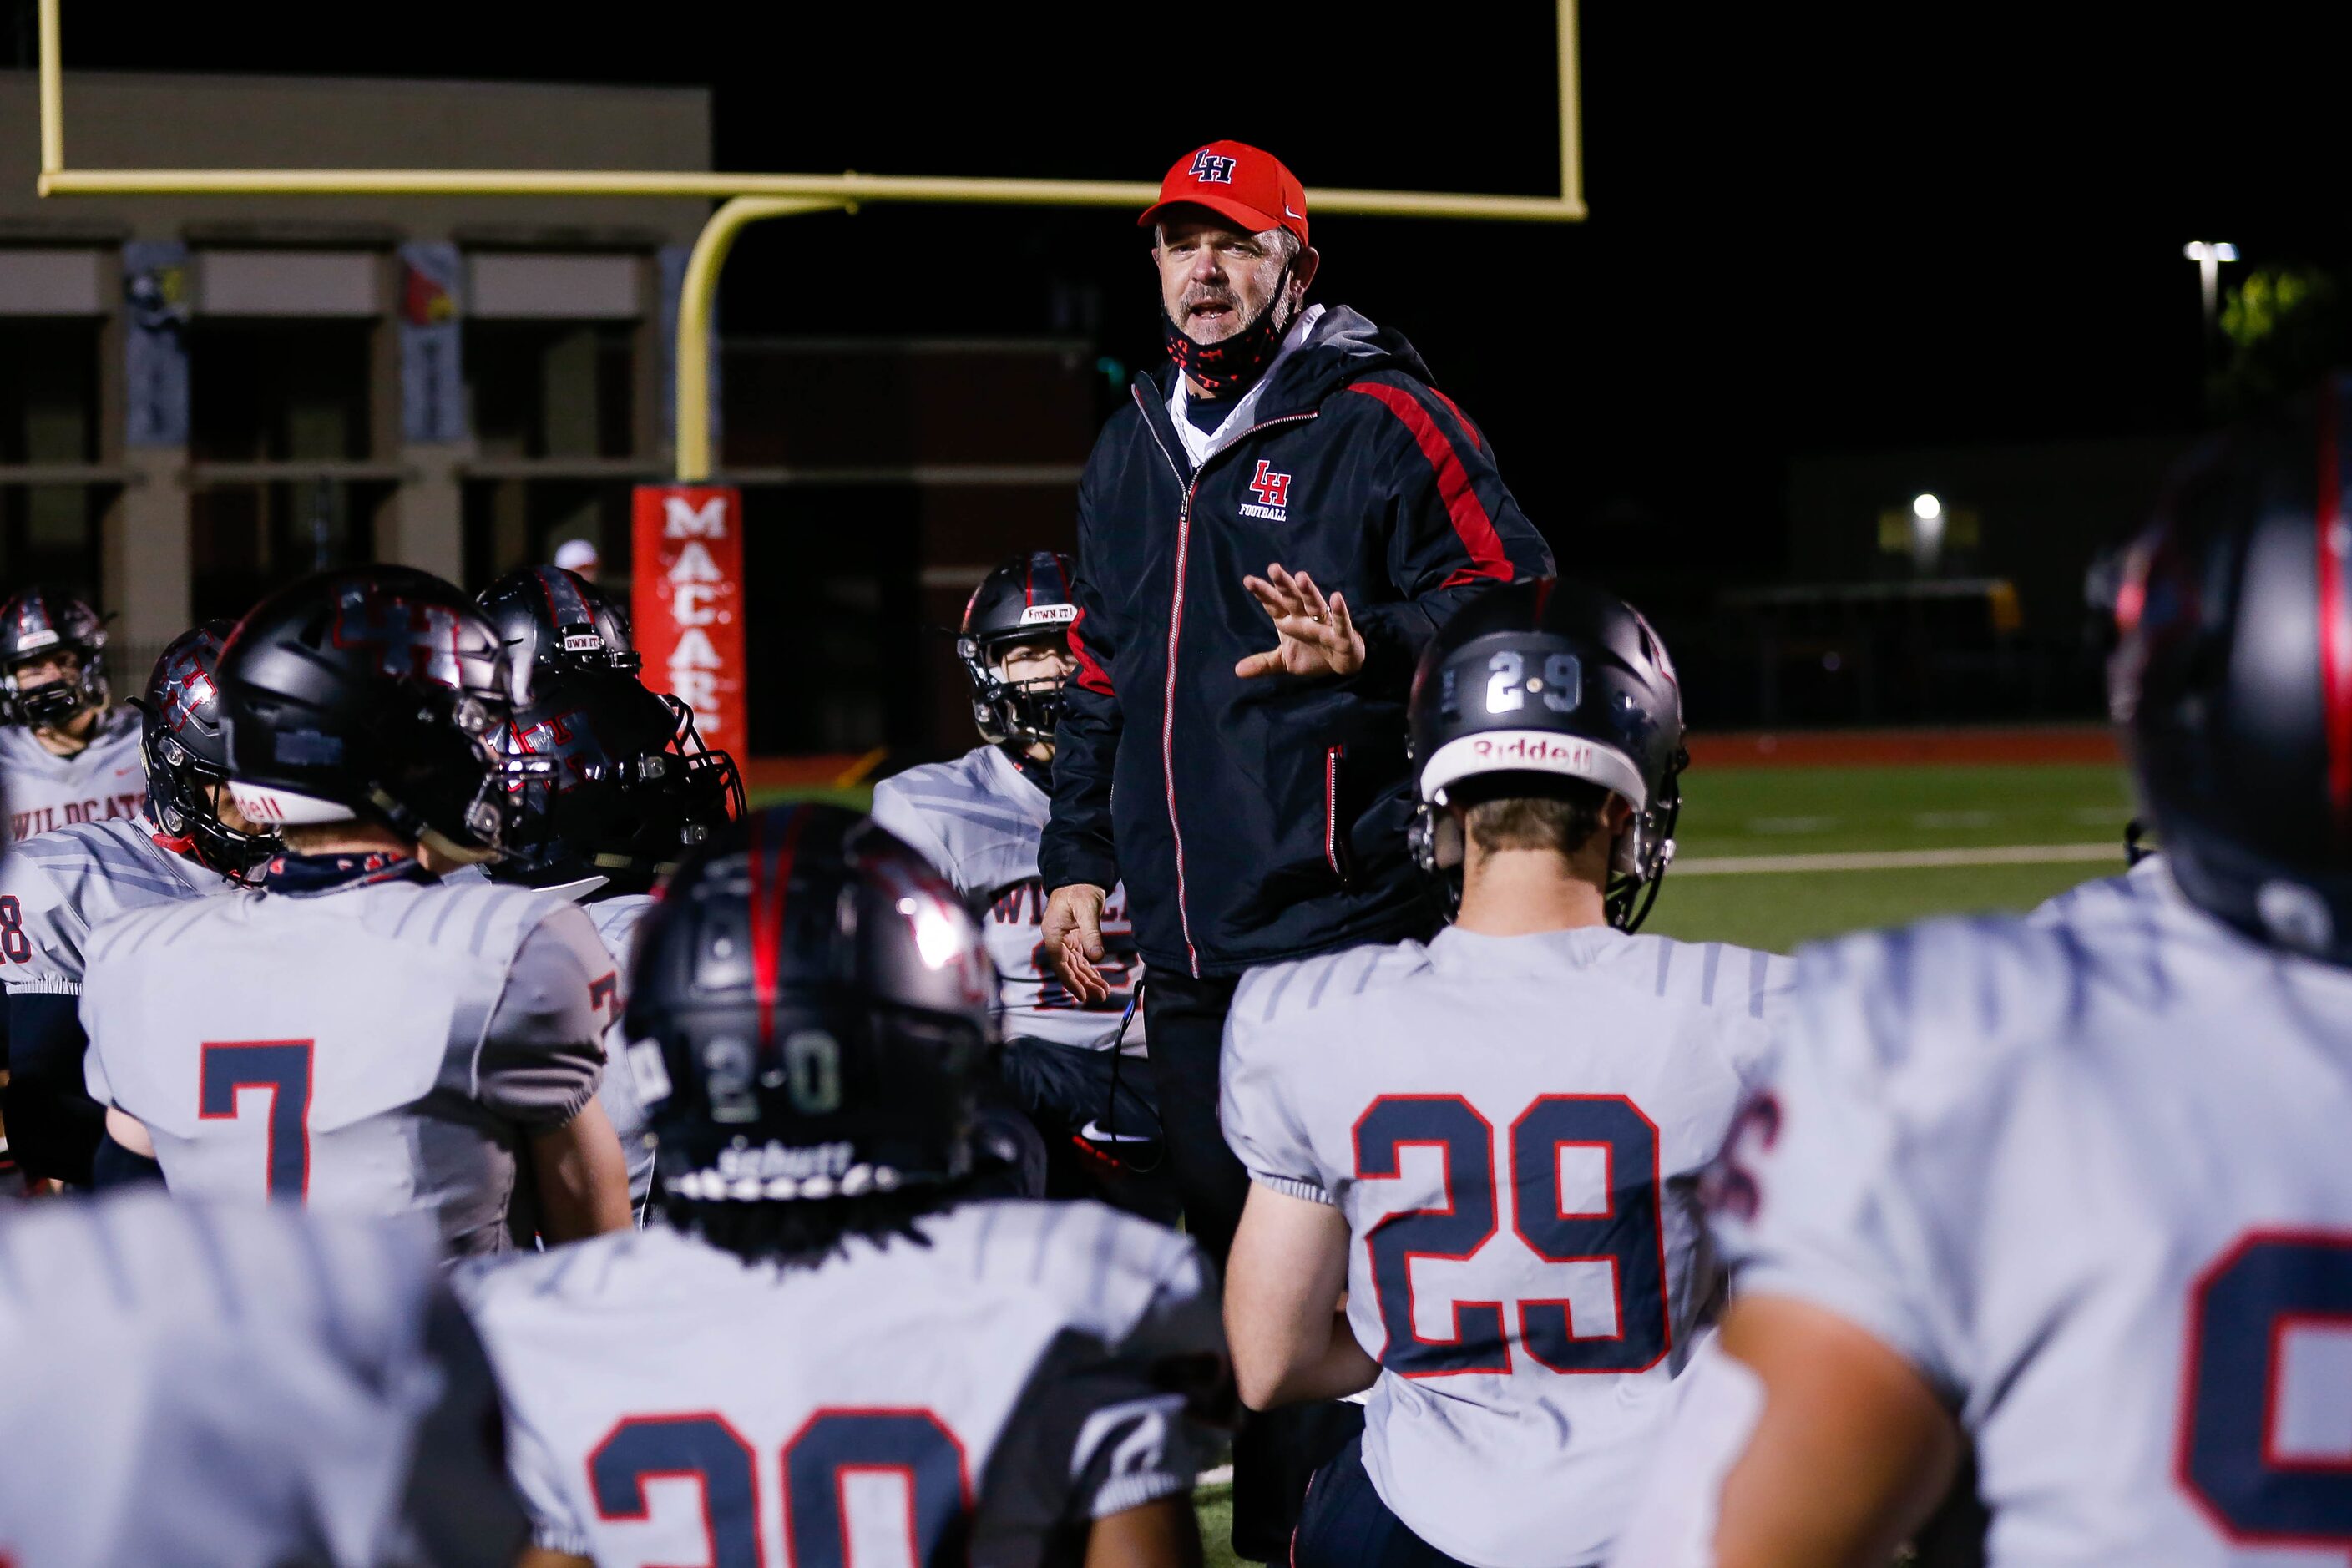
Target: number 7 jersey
(1513, 1128)
(2088, 1174)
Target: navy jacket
(1259, 820)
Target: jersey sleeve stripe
(1759, 966)
(1714, 959)
(491, 909)
(1463, 507)
(1665, 963)
(1328, 967)
(1280, 984)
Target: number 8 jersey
(1513, 1128)
(2087, 1172)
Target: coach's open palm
(1073, 938)
(1318, 636)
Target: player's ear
(1302, 269)
(1616, 815)
(1449, 837)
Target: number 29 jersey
(2088, 1174)
(1021, 1370)
(1513, 1128)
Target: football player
(223, 1386)
(67, 753)
(630, 789)
(846, 1356)
(355, 1034)
(1492, 1142)
(58, 886)
(2074, 1189)
(553, 621)
(979, 820)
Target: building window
(553, 389)
(279, 391)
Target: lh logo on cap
(1213, 168)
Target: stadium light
(1924, 507)
(2209, 254)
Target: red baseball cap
(1234, 180)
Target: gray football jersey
(2087, 1172)
(57, 887)
(44, 793)
(616, 920)
(1513, 1128)
(221, 1387)
(379, 1049)
(1031, 1368)
(980, 820)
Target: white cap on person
(578, 555)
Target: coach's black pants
(1275, 1453)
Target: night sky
(1849, 228)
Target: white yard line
(1901, 859)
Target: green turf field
(1737, 814)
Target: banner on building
(156, 302)
(431, 370)
(688, 603)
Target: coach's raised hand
(1073, 938)
(1317, 637)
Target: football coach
(1267, 536)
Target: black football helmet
(631, 788)
(2232, 676)
(1026, 598)
(552, 619)
(186, 748)
(376, 692)
(1542, 680)
(811, 1009)
(40, 623)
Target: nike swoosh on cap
(1287, 213)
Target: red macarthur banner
(688, 602)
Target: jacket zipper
(1331, 759)
(1175, 627)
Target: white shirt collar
(1201, 445)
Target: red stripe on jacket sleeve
(1091, 673)
(1463, 507)
(1476, 443)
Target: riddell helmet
(2233, 676)
(812, 1010)
(1542, 680)
(186, 748)
(40, 622)
(380, 693)
(552, 619)
(630, 788)
(1026, 598)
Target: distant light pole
(2209, 258)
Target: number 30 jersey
(1513, 1128)
(2088, 1174)
(980, 820)
(1021, 1369)
(382, 1048)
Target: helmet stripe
(2335, 636)
(768, 911)
(1059, 588)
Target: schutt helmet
(186, 749)
(1543, 680)
(629, 788)
(378, 692)
(812, 1010)
(551, 620)
(42, 622)
(1026, 598)
(2232, 676)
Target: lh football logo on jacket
(1273, 492)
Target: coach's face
(1215, 280)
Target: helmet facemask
(1022, 713)
(53, 704)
